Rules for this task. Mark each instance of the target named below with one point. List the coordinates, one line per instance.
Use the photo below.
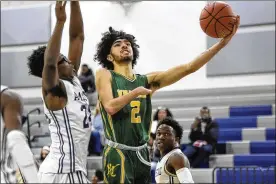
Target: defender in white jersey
(174, 165)
(65, 103)
(15, 151)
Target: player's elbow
(110, 110)
(79, 36)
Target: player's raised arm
(51, 85)
(177, 162)
(76, 35)
(162, 79)
(113, 105)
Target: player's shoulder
(103, 72)
(177, 154)
(8, 95)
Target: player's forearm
(205, 57)
(116, 104)
(52, 51)
(176, 73)
(76, 22)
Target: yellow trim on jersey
(129, 79)
(168, 173)
(122, 180)
(104, 120)
(105, 155)
(111, 126)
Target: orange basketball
(217, 19)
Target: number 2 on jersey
(135, 105)
(87, 117)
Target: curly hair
(174, 124)
(169, 113)
(36, 61)
(104, 46)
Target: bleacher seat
(270, 134)
(237, 122)
(261, 160)
(256, 110)
(262, 146)
(239, 175)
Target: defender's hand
(60, 11)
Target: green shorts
(124, 166)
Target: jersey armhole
(166, 171)
(66, 92)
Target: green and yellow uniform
(129, 127)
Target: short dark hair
(205, 108)
(36, 61)
(169, 113)
(174, 124)
(104, 46)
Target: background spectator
(97, 139)
(87, 80)
(203, 137)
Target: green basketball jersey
(131, 125)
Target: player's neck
(124, 69)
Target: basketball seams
(213, 17)
(213, 8)
(222, 23)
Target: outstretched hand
(227, 38)
(60, 11)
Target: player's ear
(109, 58)
(177, 139)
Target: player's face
(165, 138)
(65, 68)
(162, 114)
(121, 51)
(204, 113)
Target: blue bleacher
(237, 122)
(261, 160)
(270, 134)
(245, 175)
(251, 110)
(230, 134)
(262, 146)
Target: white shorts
(76, 177)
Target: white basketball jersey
(7, 165)
(161, 173)
(70, 130)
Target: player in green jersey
(125, 103)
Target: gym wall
(169, 34)
(252, 50)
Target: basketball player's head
(168, 134)
(36, 63)
(116, 47)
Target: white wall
(169, 34)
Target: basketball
(217, 19)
